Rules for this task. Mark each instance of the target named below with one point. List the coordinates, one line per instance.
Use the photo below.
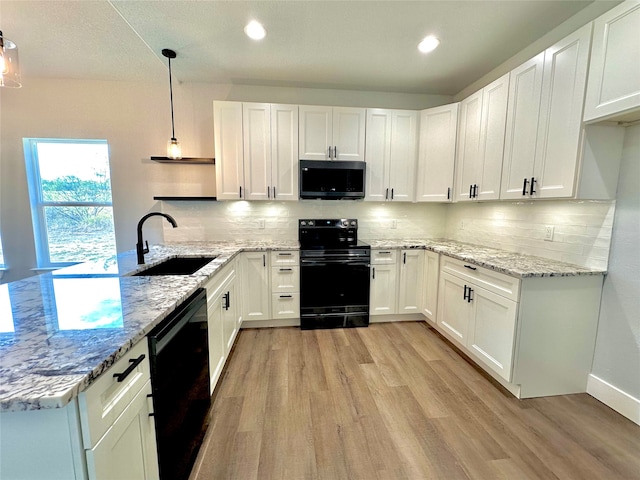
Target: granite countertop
(513, 264)
(59, 331)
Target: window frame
(38, 204)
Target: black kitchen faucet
(142, 249)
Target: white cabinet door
(216, 336)
(430, 285)
(231, 306)
(614, 74)
(315, 132)
(563, 86)
(436, 153)
(525, 90)
(410, 281)
(255, 283)
(403, 155)
(454, 311)
(284, 152)
(256, 121)
(378, 148)
(468, 152)
(491, 331)
(384, 289)
(128, 449)
(227, 128)
(492, 131)
(348, 133)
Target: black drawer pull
(470, 267)
(464, 295)
(286, 296)
(134, 363)
(524, 186)
(286, 269)
(449, 193)
(285, 254)
(384, 253)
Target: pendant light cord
(173, 133)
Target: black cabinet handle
(285, 254)
(475, 190)
(532, 188)
(240, 191)
(384, 253)
(329, 152)
(286, 296)
(386, 195)
(268, 192)
(464, 295)
(469, 296)
(274, 193)
(335, 152)
(374, 272)
(404, 257)
(470, 191)
(227, 300)
(264, 260)
(134, 363)
(286, 269)
(449, 193)
(392, 194)
(470, 267)
(524, 187)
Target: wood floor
(395, 401)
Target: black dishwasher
(179, 353)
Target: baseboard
(282, 322)
(613, 397)
(405, 317)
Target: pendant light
(174, 151)
(9, 65)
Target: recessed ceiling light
(428, 44)
(255, 30)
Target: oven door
(334, 291)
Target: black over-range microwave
(332, 180)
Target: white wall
(135, 119)
(617, 356)
(582, 229)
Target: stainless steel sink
(176, 266)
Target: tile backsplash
(582, 229)
(239, 220)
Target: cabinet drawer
(384, 257)
(285, 258)
(285, 279)
(499, 283)
(285, 305)
(105, 400)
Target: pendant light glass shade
(174, 150)
(9, 64)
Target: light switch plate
(261, 223)
(394, 223)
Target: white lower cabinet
(285, 284)
(383, 290)
(256, 274)
(534, 335)
(105, 433)
(430, 285)
(128, 449)
(410, 281)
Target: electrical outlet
(394, 223)
(461, 224)
(261, 223)
(548, 233)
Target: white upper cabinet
(227, 127)
(436, 153)
(481, 133)
(542, 145)
(525, 89)
(614, 75)
(391, 145)
(331, 133)
(256, 151)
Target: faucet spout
(143, 247)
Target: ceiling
(358, 45)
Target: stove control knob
(353, 223)
(310, 223)
(345, 223)
(303, 223)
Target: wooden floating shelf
(188, 199)
(185, 160)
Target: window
(71, 206)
